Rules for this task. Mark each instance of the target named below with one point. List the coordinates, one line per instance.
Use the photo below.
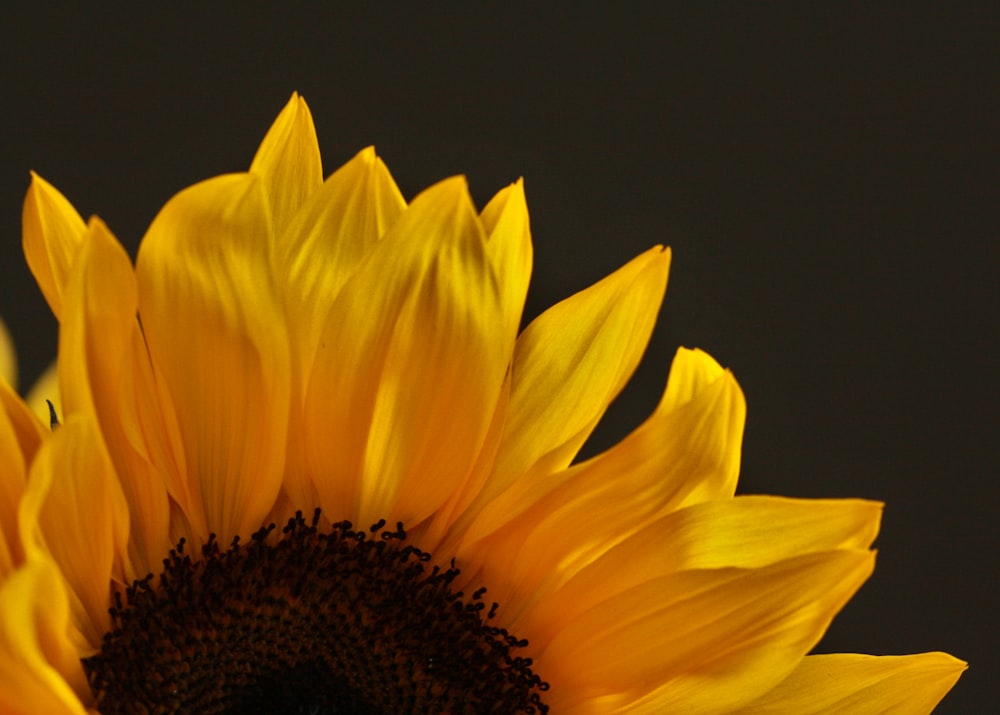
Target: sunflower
(308, 462)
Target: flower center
(337, 621)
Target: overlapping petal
(99, 345)
(409, 345)
(74, 513)
(217, 340)
(40, 670)
(568, 365)
(714, 638)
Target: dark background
(827, 179)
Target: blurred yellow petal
(289, 163)
(216, 335)
(419, 311)
(862, 685)
(715, 639)
(53, 231)
(13, 476)
(73, 512)
(97, 334)
(8, 358)
(39, 667)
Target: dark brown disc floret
(315, 622)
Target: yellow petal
(217, 341)
(509, 249)
(28, 430)
(20, 436)
(748, 532)
(862, 685)
(52, 233)
(326, 242)
(409, 367)
(289, 162)
(331, 235)
(505, 219)
(716, 638)
(96, 337)
(681, 450)
(73, 512)
(8, 358)
(569, 364)
(745, 532)
(39, 667)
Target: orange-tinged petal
(52, 233)
(73, 511)
(569, 364)
(409, 367)
(8, 358)
(505, 219)
(852, 684)
(39, 667)
(217, 342)
(96, 337)
(715, 638)
(289, 162)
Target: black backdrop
(826, 178)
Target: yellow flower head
(324, 357)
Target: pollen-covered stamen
(315, 622)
